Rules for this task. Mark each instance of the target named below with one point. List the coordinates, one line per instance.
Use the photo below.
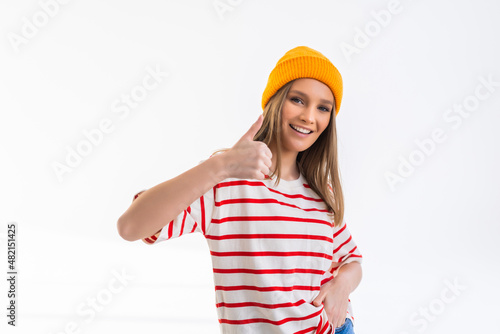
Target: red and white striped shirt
(272, 248)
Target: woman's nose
(308, 114)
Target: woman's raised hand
(249, 159)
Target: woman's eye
(296, 99)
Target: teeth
(301, 130)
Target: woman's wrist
(218, 167)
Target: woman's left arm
(334, 294)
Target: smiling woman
(271, 209)
(304, 117)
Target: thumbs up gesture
(249, 159)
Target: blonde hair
(318, 164)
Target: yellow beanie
(304, 62)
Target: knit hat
(304, 62)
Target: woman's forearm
(157, 206)
(349, 276)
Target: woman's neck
(289, 168)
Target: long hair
(318, 164)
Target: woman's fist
(249, 159)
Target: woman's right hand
(248, 159)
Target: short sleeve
(345, 249)
(195, 218)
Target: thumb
(319, 298)
(253, 129)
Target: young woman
(271, 209)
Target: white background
(437, 224)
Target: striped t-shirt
(272, 248)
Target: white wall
(436, 227)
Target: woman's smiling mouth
(300, 130)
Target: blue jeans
(346, 328)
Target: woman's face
(308, 107)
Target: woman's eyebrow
(304, 94)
